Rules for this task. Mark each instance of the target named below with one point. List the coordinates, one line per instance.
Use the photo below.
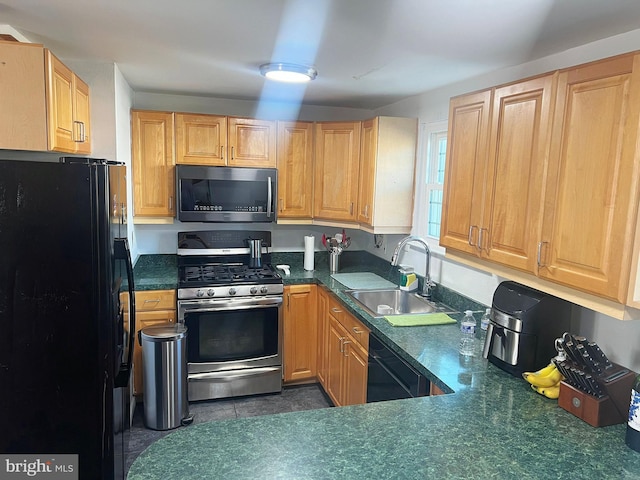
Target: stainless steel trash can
(164, 365)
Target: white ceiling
(368, 53)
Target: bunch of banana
(545, 381)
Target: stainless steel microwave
(226, 194)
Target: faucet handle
(427, 287)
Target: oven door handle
(228, 304)
(230, 375)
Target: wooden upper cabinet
(589, 226)
(295, 170)
(153, 163)
(336, 172)
(386, 174)
(45, 106)
(82, 116)
(466, 162)
(496, 170)
(367, 173)
(252, 143)
(516, 172)
(23, 116)
(68, 108)
(201, 139)
(557, 197)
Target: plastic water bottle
(468, 334)
(484, 324)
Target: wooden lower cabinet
(346, 355)
(300, 334)
(323, 335)
(153, 307)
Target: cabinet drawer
(156, 300)
(357, 330)
(336, 310)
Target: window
(431, 158)
(436, 154)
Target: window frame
(427, 131)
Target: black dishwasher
(390, 377)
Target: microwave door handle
(269, 197)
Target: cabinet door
(146, 319)
(23, 116)
(323, 335)
(252, 143)
(355, 381)
(153, 164)
(516, 170)
(201, 139)
(464, 184)
(386, 178)
(335, 361)
(367, 174)
(300, 333)
(295, 170)
(60, 93)
(592, 192)
(336, 172)
(81, 116)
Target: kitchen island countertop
(492, 426)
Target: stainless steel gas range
(231, 303)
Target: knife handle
(599, 355)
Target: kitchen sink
(383, 302)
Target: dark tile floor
(295, 398)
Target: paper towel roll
(309, 245)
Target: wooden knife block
(611, 409)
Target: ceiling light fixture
(288, 72)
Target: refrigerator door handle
(121, 252)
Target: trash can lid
(164, 333)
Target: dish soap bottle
(468, 334)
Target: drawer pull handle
(357, 330)
(155, 300)
(336, 310)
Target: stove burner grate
(220, 274)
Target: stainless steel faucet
(427, 285)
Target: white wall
(619, 339)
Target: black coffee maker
(523, 328)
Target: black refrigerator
(67, 318)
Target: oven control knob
(232, 291)
(199, 293)
(253, 290)
(263, 289)
(211, 292)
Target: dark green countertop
(493, 426)
(156, 272)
